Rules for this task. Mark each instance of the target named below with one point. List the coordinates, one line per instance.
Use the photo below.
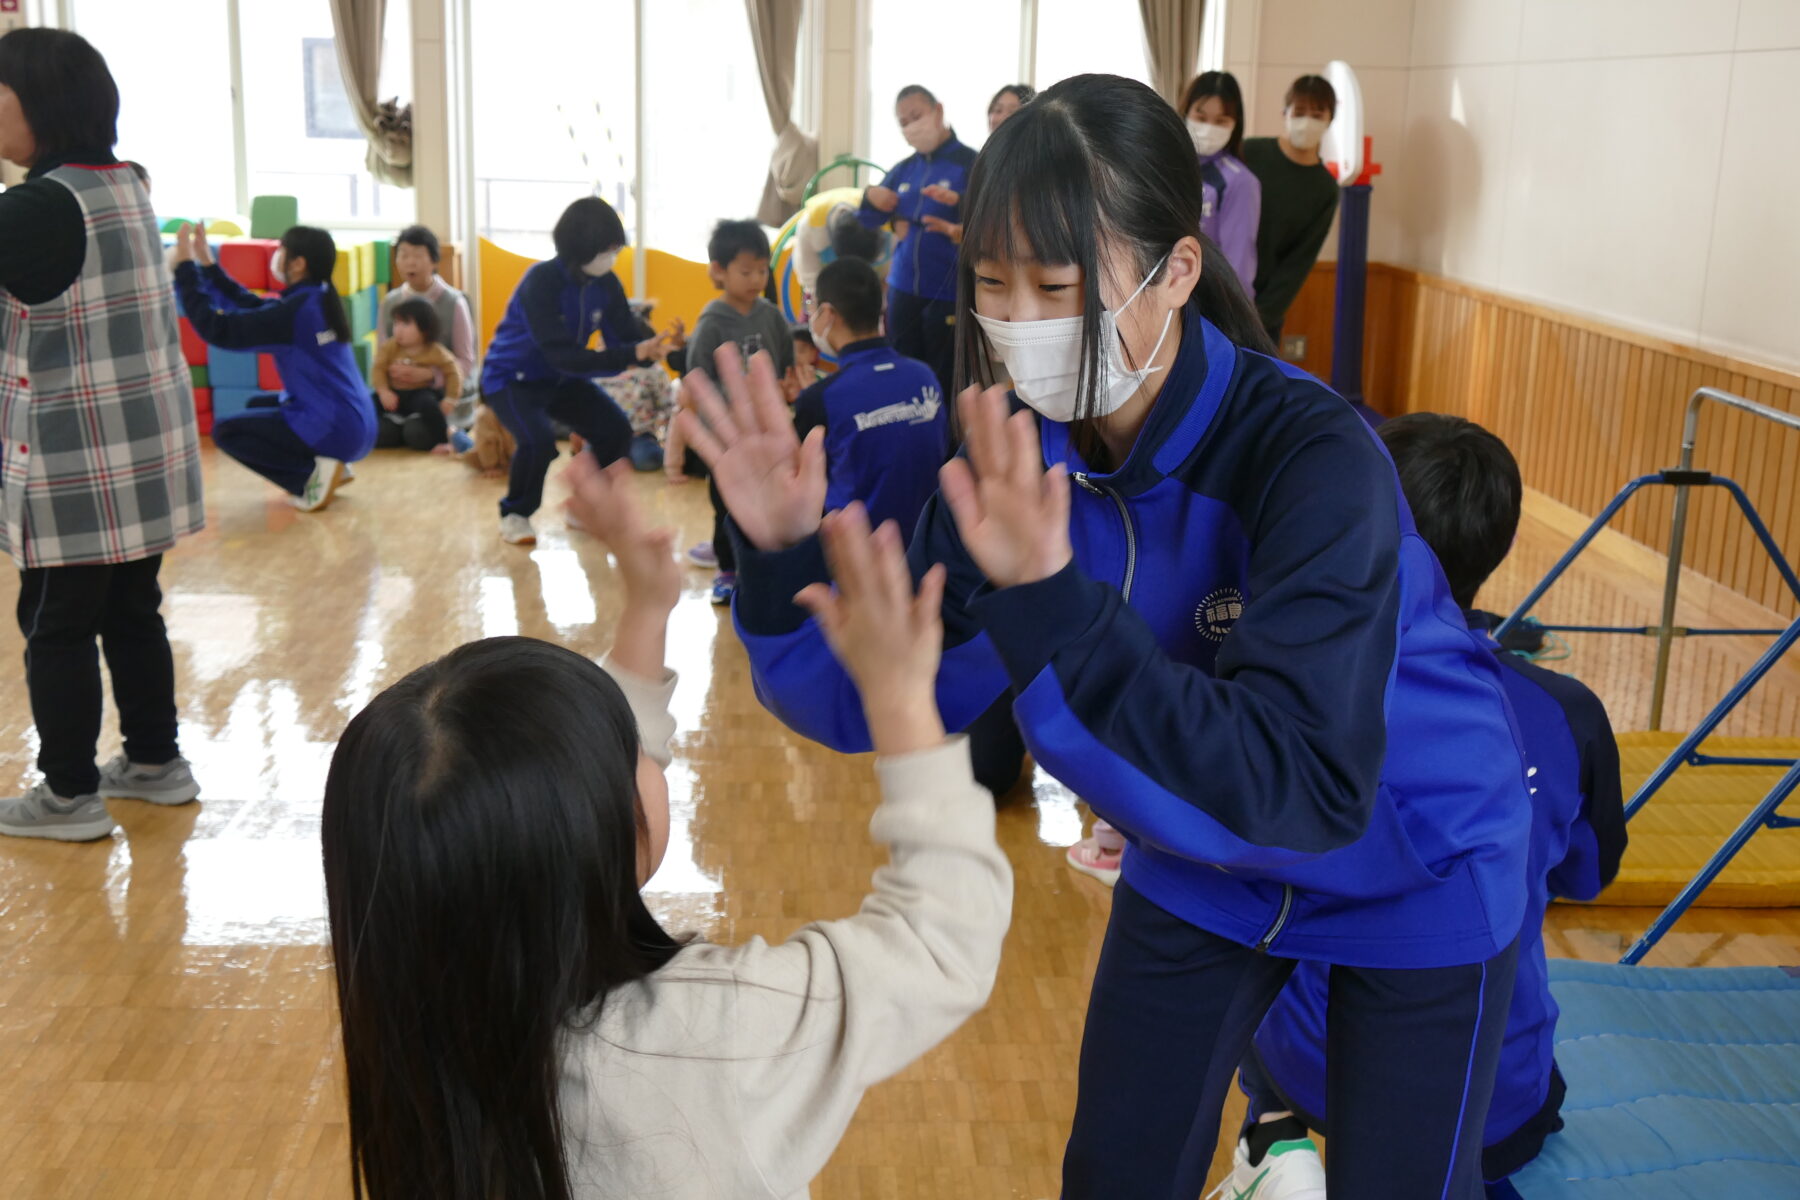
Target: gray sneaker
(40, 814)
(171, 783)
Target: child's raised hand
(603, 500)
(1011, 513)
(183, 249)
(771, 481)
(889, 639)
(202, 248)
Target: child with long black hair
(517, 1024)
(1194, 566)
(322, 420)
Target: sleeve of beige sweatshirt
(841, 1005)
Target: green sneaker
(1291, 1170)
(40, 813)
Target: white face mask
(1208, 139)
(1304, 132)
(601, 263)
(1044, 359)
(821, 341)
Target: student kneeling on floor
(886, 426)
(1464, 491)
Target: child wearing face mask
(539, 369)
(1195, 568)
(1230, 195)
(1299, 198)
(517, 1023)
(920, 200)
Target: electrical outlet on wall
(1293, 347)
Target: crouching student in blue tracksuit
(920, 198)
(887, 429)
(305, 440)
(1463, 488)
(1208, 591)
(539, 369)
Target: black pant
(925, 330)
(262, 440)
(61, 611)
(1411, 1056)
(996, 747)
(417, 422)
(530, 412)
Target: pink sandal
(1092, 859)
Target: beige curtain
(359, 25)
(775, 32)
(1172, 32)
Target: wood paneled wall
(1585, 406)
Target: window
(174, 114)
(554, 116)
(707, 132)
(300, 137)
(1078, 37)
(962, 52)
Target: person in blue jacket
(920, 199)
(1463, 487)
(1194, 564)
(886, 426)
(539, 369)
(322, 421)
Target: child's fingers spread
(772, 415)
(1022, 444)
(733, 378)
(716, 413)
(896, 579)
(957, 483)
(700, 439)
(819, 600)
(928, 606)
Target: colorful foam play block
(246, 262)
(230, 402)
(272, 216)
(364, 351)
(384, 262)
(193, 346)
(267, 377)
(231, 369)
(363, 310)
(198, 377)
(340, 275)
(203, 410)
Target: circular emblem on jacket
(1218, 613)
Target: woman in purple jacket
(1231, 195)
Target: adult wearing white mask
(539, 371)
(1299, 198)
(921, 199)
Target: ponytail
(320, 252)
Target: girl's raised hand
(773, 484)
(202, 248)
(603, 500)
(183, 249)
(1012, 514)
(889, 639)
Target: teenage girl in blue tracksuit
(539, 369)
(1463, 488)
(323, 419)
(922, 194)
(1227, 636)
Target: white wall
(1632, 160)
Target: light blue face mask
(1044, 359)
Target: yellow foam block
(680, 287)
(1690, 818)
(365, 263)
(340, 275)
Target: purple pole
(1352, 277)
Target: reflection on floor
(167, 1019)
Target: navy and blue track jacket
(887, 431)
(1248, 615)
(924, 262)
(552, 314)
(1577, 839)
(325, 400)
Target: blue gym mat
(1682, 1083)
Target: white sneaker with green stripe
(1291, 1170)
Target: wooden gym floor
(166, 1012)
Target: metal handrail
(1690, 430)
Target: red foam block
(193, 347)
(203, 400)
(246, 262)
(267, 377)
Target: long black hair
(320, 252)
(1095, 162)
(65, 90)
(1224, 85)
(481, 835)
